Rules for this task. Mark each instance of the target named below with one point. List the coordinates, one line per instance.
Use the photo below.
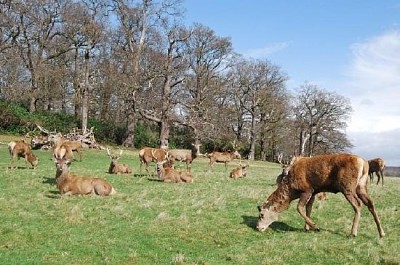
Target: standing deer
(19, 149)
(222, 157)
(185, 155)
(64, 148)
(149, 154)
(376, 165)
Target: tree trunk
(32, 104)
(85, 94)
(129, 140)
(130, 133)
(164, 133)
(252, 139)
(262, 148)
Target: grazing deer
(306, 177)
(69, 184)
(19, 149)
(115, 166)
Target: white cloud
(374, 89)
(374, 85)
(267, 50)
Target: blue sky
(350, 47)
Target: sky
(348, 47)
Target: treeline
(137, 71)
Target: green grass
(210, 221)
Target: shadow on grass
(141, 175)
(50, 181)
(251, 221)
(54, 195)
(152, 179)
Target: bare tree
(320, 120)
(140, 21)
(38, 32)
(204, 89)
(258, 84)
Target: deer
(239, 172)
(376, 165)
(149, 154)
(344, 173)
(63, 147)
(69, 184)
(18, 149)
(167, 174)
(116, 167)
(185, 155)
(222, 157)
(285, 169)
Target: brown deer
(69, 184)
(19, 149)
(305, 178)
(376, 165)
(222, 157)
(64, 148)
(167, 174)
(184, 155)
(239, 172)
(149, 154)
(116, 167)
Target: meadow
(211, 221)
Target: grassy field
(211, 221)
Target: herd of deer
(305, 178)
(69, 184)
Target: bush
(146, 135)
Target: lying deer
(69, 184)
(115, 166)
(172, 175)
(19, 149)
(239, 172)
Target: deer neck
(280, 199)
(62, 174)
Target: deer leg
(308, 211)
(378, 177)
(363, 195)
(210, 165)
(381, 175)
(353, 199)
(303, 200)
